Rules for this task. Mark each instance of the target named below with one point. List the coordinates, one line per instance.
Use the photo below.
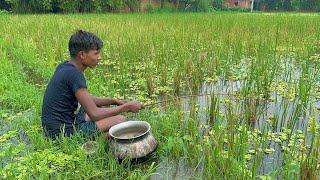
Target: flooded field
(275, 116)
(226, 94)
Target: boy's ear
(81, 54)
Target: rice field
(228, 95)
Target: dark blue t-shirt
(59, 108)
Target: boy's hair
(83, 41)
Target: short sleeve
(76, 81)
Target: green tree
(310, 5)
(90, 6)
(304, 5)
(133, 5)
(113, 5)
(4, 5)
(218, 4)
(30, 6)
(69, 6)
(198, 5)
(287, 5)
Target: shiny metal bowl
(129, 130)
(132, 140)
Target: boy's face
(90, 58)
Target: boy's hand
(133, 106)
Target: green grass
(275, 58)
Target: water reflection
(175, 169)
(288, 113)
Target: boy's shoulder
(67, 67)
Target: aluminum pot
(132, 140)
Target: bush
(133, 5)
(30, 6)
(199, 5)
(237, 9)
(69, 6)
(4, 5)
(4, 12)
(152, 9)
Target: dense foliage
(76, 6)
(288, 5)
(67, 6)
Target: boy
(68, 106)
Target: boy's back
(59, 103)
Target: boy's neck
(77, 63)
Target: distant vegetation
(100, 6)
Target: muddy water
(168, 169)
(14, 124)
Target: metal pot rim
(129, 124)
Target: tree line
(288, 5)
(79, 6)
(66, 6)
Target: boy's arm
(95, 113)
(104, 101)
